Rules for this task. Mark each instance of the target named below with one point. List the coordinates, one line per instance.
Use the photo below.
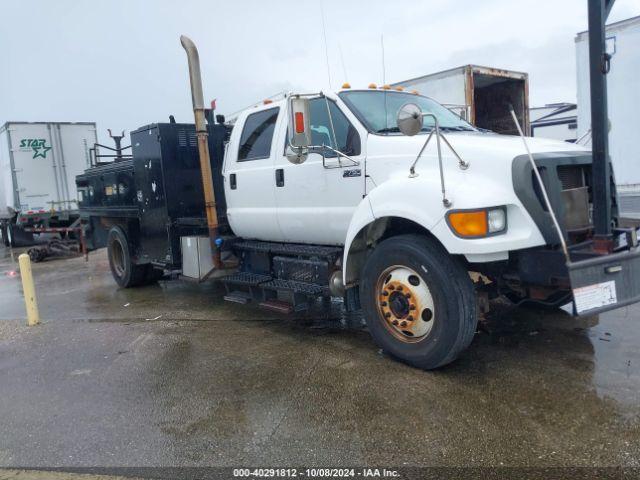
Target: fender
(419, 200)
(397, 197)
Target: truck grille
(571, 176)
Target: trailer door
(38, 181)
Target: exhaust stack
(197, 99)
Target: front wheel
(419, 301)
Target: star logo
(40, 150)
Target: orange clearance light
(299, 122)
(386, 87)
(346, 85)
(415, 92)
(267, 101)
(373, 85)
(469, 224)
(400, 89)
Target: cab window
(257, 135)
(347, 138)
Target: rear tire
(124, 271)
(419, 301)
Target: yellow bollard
(29, 288)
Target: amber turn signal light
(478, 223)
(469, 224)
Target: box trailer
(38, 165)
(480, 95)
(623, 96)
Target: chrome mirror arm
(354, 163)
(439, 135)
(302, 151)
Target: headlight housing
(478, 223)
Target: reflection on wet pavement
(172, 375)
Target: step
(246, 278)
(288, 248)
(277, 306)
(295, 287)
(238, 297)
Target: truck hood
(485, 148)
(490, 158)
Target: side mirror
(410, 119)
(299, 122)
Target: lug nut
(403, 324)
(410, 318)
(407, 295)
(385, 293)
(387, 315)
(391, 287)
(399, 288)
(412, 307)
(383, 304)
(395, 322)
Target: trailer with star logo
(38, 165)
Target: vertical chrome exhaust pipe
(197, 99)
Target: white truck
(383, 197)
(38, 165)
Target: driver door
(315, 201)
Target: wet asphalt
(171, 375)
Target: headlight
(478, 223)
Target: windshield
(378, 110)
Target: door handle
(233, 183)
(280, 177)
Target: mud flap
(605, 283)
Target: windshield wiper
(457, 129)
(388, 130)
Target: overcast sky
(120, 62)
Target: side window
(347, 139)
(257, 134)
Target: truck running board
(238, 297)
(246, 278)
(277, 306)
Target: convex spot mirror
(410, 119)
(296, 155)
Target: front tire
(419, 301)
(126, 273)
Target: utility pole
(599, 64)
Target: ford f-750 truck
(380, 196)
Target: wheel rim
(405, 304)
(117, 257)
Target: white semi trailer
(38, 165)
(623, 95)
